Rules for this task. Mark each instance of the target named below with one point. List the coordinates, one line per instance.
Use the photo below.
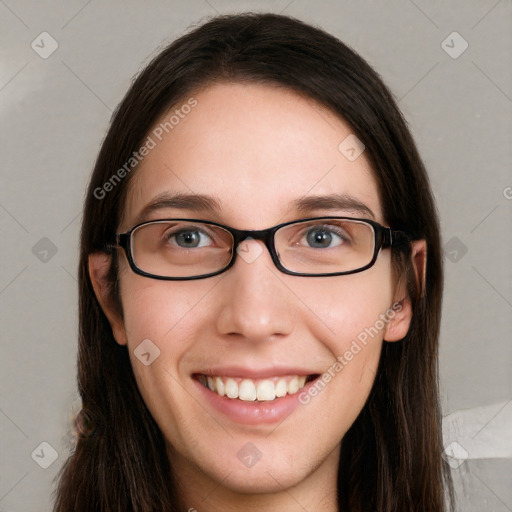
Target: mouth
(254, 390)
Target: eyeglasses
(182, 249)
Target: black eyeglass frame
(384, 237)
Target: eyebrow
(195, 202)
(209, 204)
(308, 204)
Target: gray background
(54, 115)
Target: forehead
(256, 149)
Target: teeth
(266, 390)
(250, 390)
(293, 385)
(219, 386)
(231, 388)
(281, 387)
(247, 391)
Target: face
(255, 150)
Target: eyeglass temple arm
(395, 238)
(399, 237)
(120, 241)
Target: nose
(255, 304)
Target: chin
(242, 466)
(260, 479)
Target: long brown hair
(391, 456)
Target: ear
(99, 265)
(398, 325)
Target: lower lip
(252, 413)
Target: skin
(255, 148)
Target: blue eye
(324, 237)
(190, 238)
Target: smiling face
(255, 151)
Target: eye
(189, 238)
(322, 237)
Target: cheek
(162, 310)
(346, 307)
(163, 319)
(349, 315)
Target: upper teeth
(250, 390)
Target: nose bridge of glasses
(265, 235)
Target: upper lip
(254, 373)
